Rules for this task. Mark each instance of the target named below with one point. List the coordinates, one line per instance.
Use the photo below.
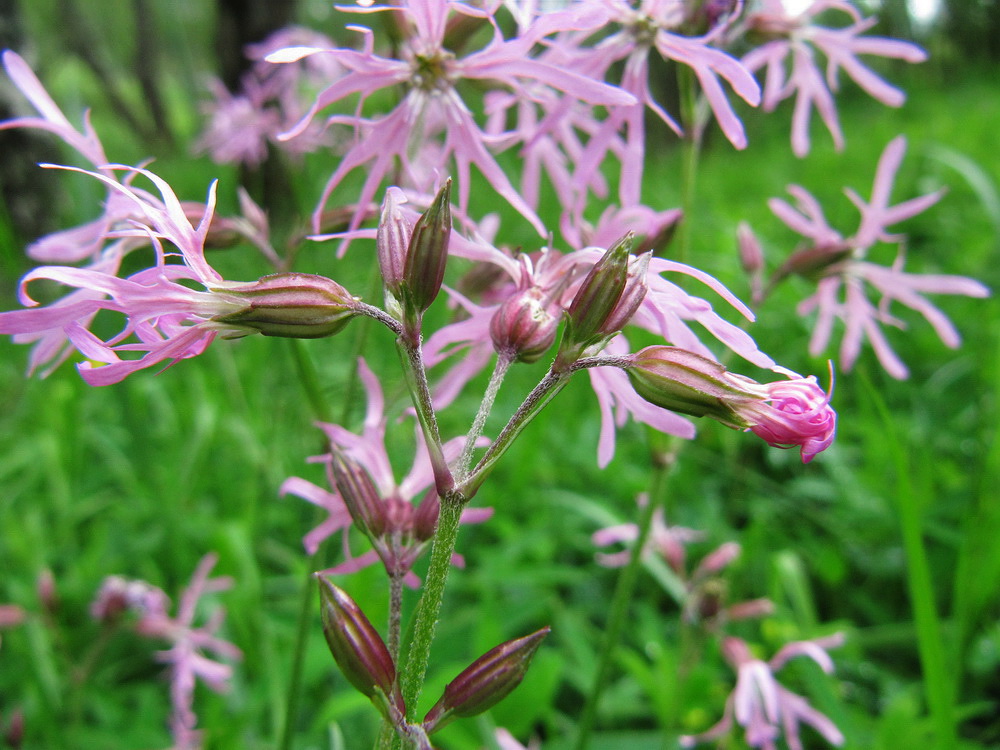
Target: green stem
(620, 601)
(395, 613)
(464, 463)
(416, 381)
(938, 682)
(309, 378)
(690, 148)
(429, 607)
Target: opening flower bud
(524, 327)
(293, 305)
(358, 649)
(785, 414)
(485, 682)
(688, 383)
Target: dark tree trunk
(242, 22)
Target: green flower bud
(427, 254)
(689, 383)
(293, 305)
(485, 682)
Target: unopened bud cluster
(412, 259)
(398, 531)
(605, 301)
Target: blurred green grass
(143, 478)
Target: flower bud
(359, 494)
(689, 383)
(427, 253)
(485, 682)
(631, 297)
(358, 649)
(524, 327)
(425, 518)
(598, 295)
(293, 305)
(785, 414)
(45, 588)
(392, 240)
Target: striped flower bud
(293, 305)
(427, 253)
(485, 682)
(598, 295)
(359, 650)
(689, 383)
(359, 494)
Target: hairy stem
(420, 392)
(429, 607)
(464, 463)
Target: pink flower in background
(762, 706)
(398, 510)
(644, 27)
(186, 657)
(241, 125)
(793, 70)
(845, 275)
(432, 109)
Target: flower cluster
(844, 273)
(762, 706)
(185, 657)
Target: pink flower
(432, 111)
(799, 39)
(845, 274)
(795, 413)
(644, 27)
(400, 542)
(169, 320)
(243, 124)
(186, 657)
(762, 706)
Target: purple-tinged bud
(359, 494)
(598, 295)
(688, 383)
(392, 240)
(524, 328)
(751, 255)
(14, 734)
(292, 305)
(358, 649)
(45, 588)
(636, 286)
(485, 682)
(812, 262)
(427, 254)
(425, 518)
